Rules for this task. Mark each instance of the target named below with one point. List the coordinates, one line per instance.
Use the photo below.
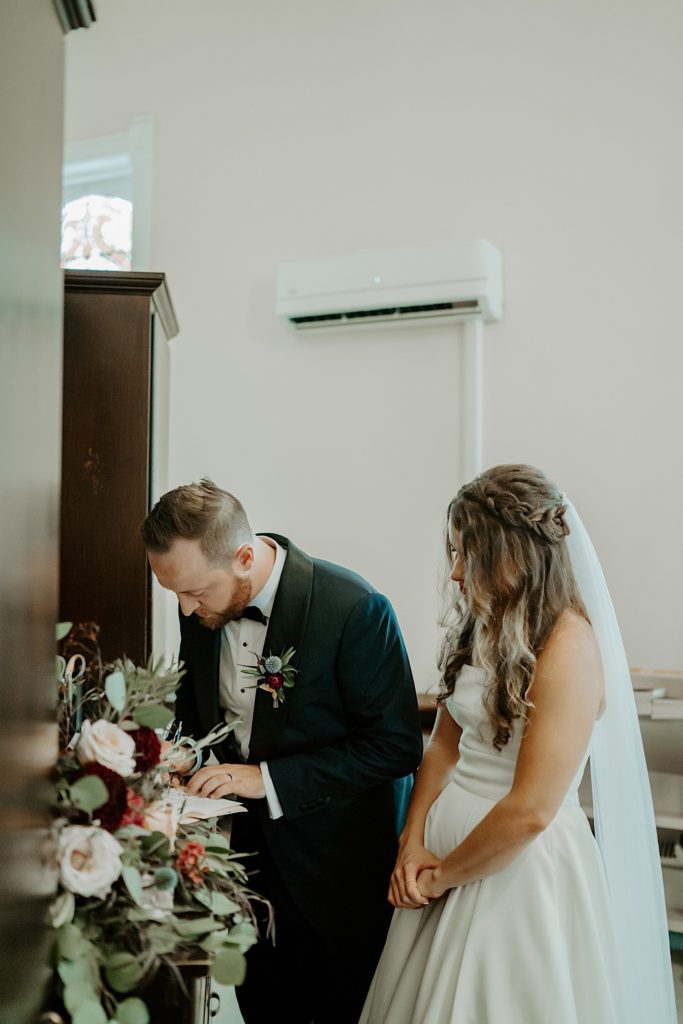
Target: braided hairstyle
(519, 580)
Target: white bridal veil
(623, 812)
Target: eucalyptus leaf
(215, 941)
(132, 1011)
(88, 793)
(197, 926)
(73, 970)
(243, 935)
(162, 938)
(131, 832)
(222, 904)
(156, 843)
(62, 629)
(115, 689)
(60, 666)
(203, 896)
(154, 716)
(123, 971)
(76, 993)
(90, 1013)
(229, 967)
(217, 843)
(70, 942)
(133, 881)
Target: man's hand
(181, 761)
(219, 780)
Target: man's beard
(240, 600)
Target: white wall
(290, 130)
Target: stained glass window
(97, 233)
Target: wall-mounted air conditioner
(452, 282)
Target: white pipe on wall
(472, 419)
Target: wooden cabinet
(114, 449)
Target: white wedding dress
(530, 944)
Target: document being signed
(196, 808)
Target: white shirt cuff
(274, 807)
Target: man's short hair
(200, 512)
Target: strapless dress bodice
(481, 768)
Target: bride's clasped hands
(412, 881)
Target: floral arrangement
(138, 889)
(274, 674)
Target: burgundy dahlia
(110, 813)
(147, 748)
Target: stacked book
(668, 707)
(647, 696)
(653, 698)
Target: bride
(508, 909)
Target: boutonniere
(275, 674)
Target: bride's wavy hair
(519, 580)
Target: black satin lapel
(206, 666)
(285, 629)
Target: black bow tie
(254, 613)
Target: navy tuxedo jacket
(347, 729)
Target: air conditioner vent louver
(454, 281)
(356, 316)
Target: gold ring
(229, 775)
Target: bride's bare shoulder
(572, 648)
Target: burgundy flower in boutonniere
(275, 675)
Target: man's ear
(244, 559)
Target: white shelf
(669, 821)
(675, 920)
(674, 821)
(663, 718)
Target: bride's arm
(566, 692)
(439, 759)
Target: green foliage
(229, 967)
(133, 881)
(115, 689)
(132, 1011)
(90, 1013)
(154, 913)
(154, 716)
(88, 793)
(123, 971)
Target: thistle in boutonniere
(275, 674)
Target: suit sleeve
(383, 741)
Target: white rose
(110, 746)
(161, 816)
(89, 860)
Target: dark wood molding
(133, 282)
(74, 14)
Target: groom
(316, 771)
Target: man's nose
(187, 604)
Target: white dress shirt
(241, 643)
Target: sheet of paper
(197, 808)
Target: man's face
(215, 594)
